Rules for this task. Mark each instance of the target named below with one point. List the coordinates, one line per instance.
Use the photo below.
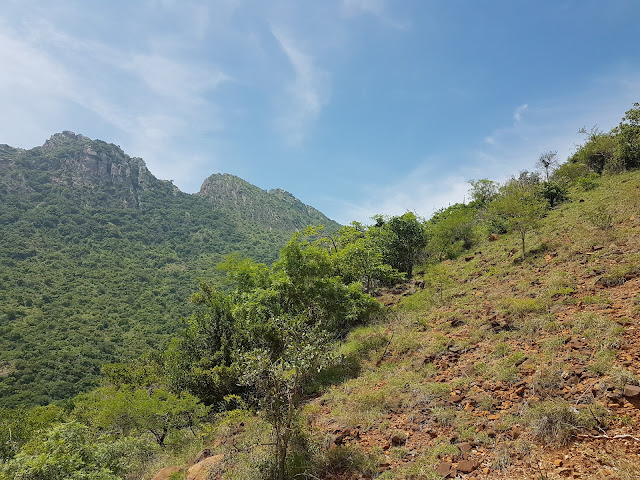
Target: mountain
(97, 257)
(274, 210)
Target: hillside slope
(97, 257)
(507, 369)
(488, 366)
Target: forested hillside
(98, 257)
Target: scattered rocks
(494, 237)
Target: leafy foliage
(520, 206)
(97, 257)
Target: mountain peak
(64, 138)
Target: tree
(520, 206)
(19, 425)
(548, 161)
(155, 410)
(70, 451)
(598, 151)
(554, 192)
(450, 230)
(404, 239)
(201, 359)
(628, 137)
(357, 255)
(278, 378)
(482, 191)
(362, 261)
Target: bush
(600, 217)
(348, 459)
(546, 379)
(570, 172)
(557, 421)
(589, 182)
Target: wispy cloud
(375, 8)
(309, 91)
(148, 98)
(517, 115)
(424, 190)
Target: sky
(356, 107)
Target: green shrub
(589, 182)
(444, 415)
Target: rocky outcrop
(86, 165)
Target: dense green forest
(98, 258)
(259, 338)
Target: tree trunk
(523, 250)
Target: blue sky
(356, 107)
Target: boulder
(465, 447)
(444, 468)
(631, 392)
(466, 466)
(166, 472)
(201, 470)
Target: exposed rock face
(78, 162)
(85, 162)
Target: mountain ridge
(97, 257)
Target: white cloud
(375, 8)
(170, 78)
(308, 91)
(517, 115)
(150, 99)
(551, 124)
(423, 191)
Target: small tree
(521, 207)
(548, 161)
(404, 239)
(278, 378)
(482, 192)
